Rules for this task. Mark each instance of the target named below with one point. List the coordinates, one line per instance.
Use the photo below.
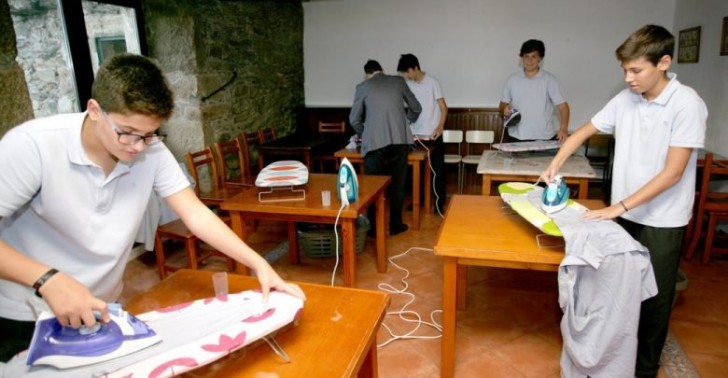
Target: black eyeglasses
(131, 139)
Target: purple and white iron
(67, 347)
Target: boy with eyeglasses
(73, 192)
(659, 125)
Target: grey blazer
(378, 114)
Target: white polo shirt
(427, 91)
(644, 131)
(58, 207)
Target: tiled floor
(511, 325)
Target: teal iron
(347, 185)
(555, 196)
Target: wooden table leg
(486, 184)
(369, 368)
(381, 237)
(349, 247)
(583, 188)
(428, 186)
(449, 316)
(238, 226)
(416, 195)
(293, 252)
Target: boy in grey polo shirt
(535, 93)
(73, 191)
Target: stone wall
(201, 45)
(43, 54)
(15, 104)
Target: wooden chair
(197, 252)
(201, 164)
(321, 159)
(266, 134)
(249, 142)
(332, 127)
(232, 168)
(713, 206)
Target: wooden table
(502, 239)
(498, 166)
(335, 336)
(298, 145)
(414, 159)
(371, 191)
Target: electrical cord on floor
(434, 176)
(408, 316)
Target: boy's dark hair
(372, 66)
(650, 41)
(533, 45)
(407, 61)
(132, 84)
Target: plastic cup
(220, 283)
(326, 198)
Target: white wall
(472, 46)
(709, 76)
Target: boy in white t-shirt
(73, 192)
(659, 125)
(431, 122)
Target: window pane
(111, 30)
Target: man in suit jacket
(380, 119)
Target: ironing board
(520, 197)
(282, 176)
(193, 334)
(533, 145)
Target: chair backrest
(332, 127)
(475, 137)
(231, 162)
(479, 136)
(266, 134)
(201, 164)
(249, 142)
(452, 136)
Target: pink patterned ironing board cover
(193, 334)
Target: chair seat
(452, 159)
(471, 159)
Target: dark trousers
(15, 337)
(665, 245)
(390, 161)
(437, 160)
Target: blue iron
(67, 347)
(555, 196)
(347, 183)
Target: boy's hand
(71, 302)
